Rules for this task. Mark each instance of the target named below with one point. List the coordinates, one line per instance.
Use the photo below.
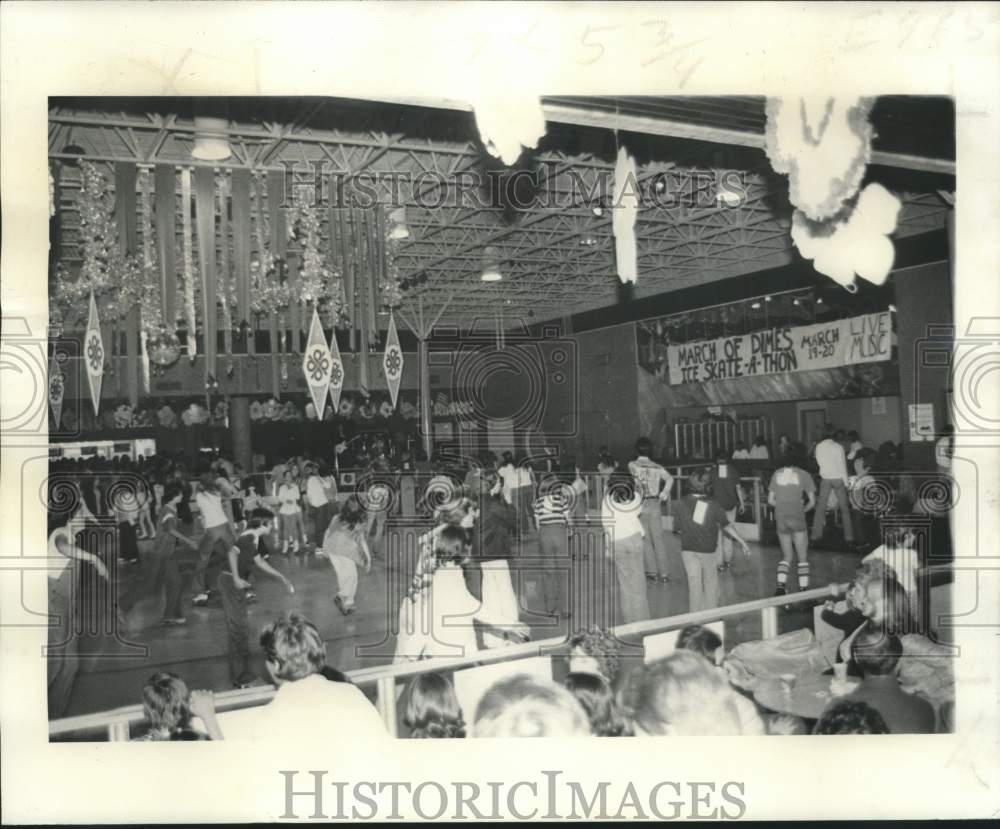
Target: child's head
(260, 519)
(644, 447)
(698, 481)
(289, 475)
(165, 702)
(450, 545)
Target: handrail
(248, 697)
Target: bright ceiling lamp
(491, 265)
(211, 139)
(398, 229)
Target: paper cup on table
(840, 672)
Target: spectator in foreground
(705, 642)
(307, 706)
(166, 704)
(851, 718)
(525, 706)
(594, 694)
(877, 655)
(432, 709)
(681, 695)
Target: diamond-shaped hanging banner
(57, 389)
(392, 361)
(93, 354)
(336, 372)
(317, 364)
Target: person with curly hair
(594, 694)
(595, 651)
(432, 709)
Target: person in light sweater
(832, 462)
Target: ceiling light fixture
(755, 305)
(491, 265)
(211, 139)
(399, 229)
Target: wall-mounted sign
(921, 421)
(864, 339)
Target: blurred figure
(851, 718)
(594, 694)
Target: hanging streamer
(125, 218)
(360, 277)
(166, 234)
(241, 243)
(625, 207)
(204, 195)
(148, 269)
(188, 251)
(225, 275)
(57, 389)
(317, 365)
(336, 371)
(275, 195)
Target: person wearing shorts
(785, 493)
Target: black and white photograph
(477, 410)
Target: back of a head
(293, 648)
(598, 645)
(700, 640)
(594, 694)
(351, 513)
(644, 447)
(525, 706)
(876, 652)
(165, 702)
(851, 718)
(432, 709)
(681, 695)
(450, 545)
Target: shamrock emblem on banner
(392, 361)
(95, 352)
(316, 365)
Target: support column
(426, 421)
(239, 426)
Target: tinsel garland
(150, 305)
(188, 255)
(318, 283)
(389, 290)
(269, 292)
(227, 285)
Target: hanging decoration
(94, 354)
(508, 123)
(227, 287)
(858, 245)
(336, 371)
(165, 177)
(318, 284)
(204, 193)
(317, 364)
(624, 210)
(188, 255)
(151, 323)
(824, 145)
(392, 361)
(57, 389)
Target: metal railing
(116, 723)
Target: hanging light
(755, 305)
(398, 229)
(491, 265)
(211, 139)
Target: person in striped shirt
(653, 483)
(552, 510)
